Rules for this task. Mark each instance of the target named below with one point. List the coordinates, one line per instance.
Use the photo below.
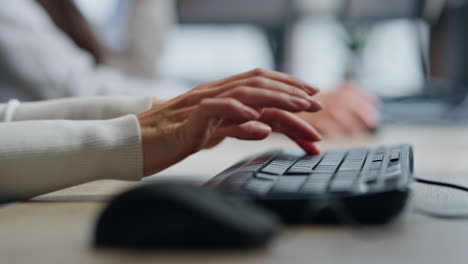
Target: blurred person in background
(49, 50)
(133, 33)
(319, 52)
(347, 110)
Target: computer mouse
(182, 216)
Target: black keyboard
(365, 186)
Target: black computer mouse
(182, 216)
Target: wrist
(155, 102)
(145, 136)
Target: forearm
(38, 157)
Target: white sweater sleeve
(92, 108)
(41, 59)
(37, 157)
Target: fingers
(364, 105)
(289, 92)
(290, 125)
(243, 125)
(368, 114)
(255, 130)
(225, 109)
(200, 129)
(270, 84)
(309, 147)
(261, 98)
(354, 91)
(349, 121)
(294, 127)
(252, 130)
(324, 123)
(273, 75)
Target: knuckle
(205, 102)
(277, 114)
(259, 71)
(196, 95)
(257, 81)
(284, 97)
(298, 92)
(231, 102)
(241, 91)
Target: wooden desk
(57, 228)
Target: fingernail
(300, 103)
(302, 93)
(311, 88)
(315, 104)
(250, 114)
(262, 126)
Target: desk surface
(58, 227)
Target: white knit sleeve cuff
(10, 110)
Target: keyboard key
(259, 186)
(311, 187)
(289, 184)
(376, 165)
(371, 181)
(395, 156)
(299, 171)
(393, 171)
(342, 185)
(346, 175)
(330, 163)
(265, 176)
(393, 166)
(351, 168)
(250, 168)
(372, 176)
(256, 164)
(392, 182)
(312, 158)
(236, 180)
(325, 169)
(335, 154)
(273, 169)
(279, 165)
(378, 157)
(357, 154)
(304, 165)
(320, 177)
(286, 160)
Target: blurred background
(400, 50)
(411, 54)
(312, 39)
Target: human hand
(246, 106)
(347, 110)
